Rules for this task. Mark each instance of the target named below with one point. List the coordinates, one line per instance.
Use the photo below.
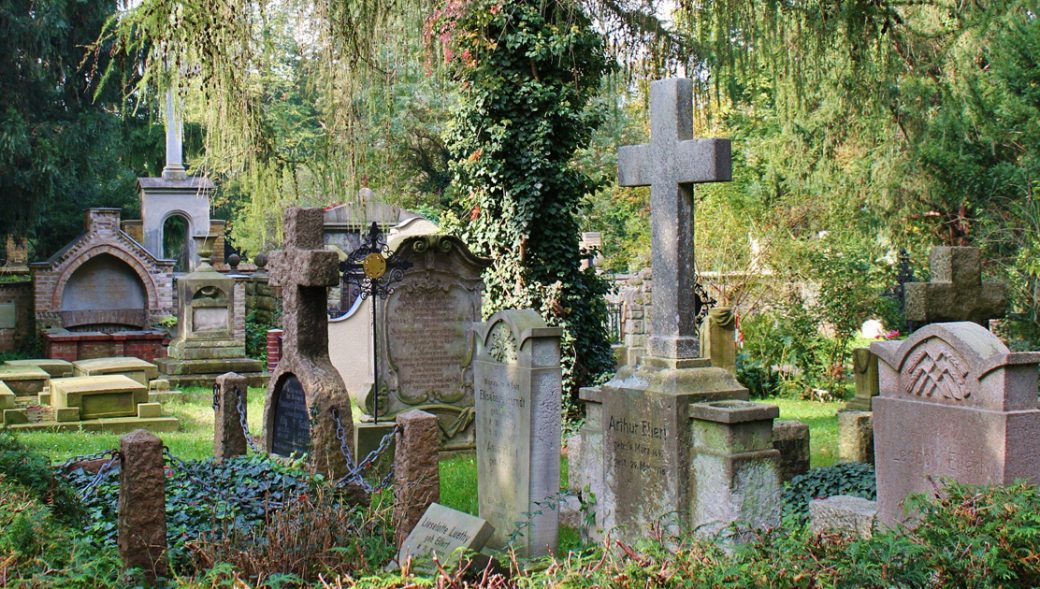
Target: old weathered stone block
(228, 438)
(845, 514)
(141, 534)
(416, 470)
(856, 436)
(149, 410)
(791, 440)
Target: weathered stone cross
(671, 164)
(304, 269)
(956, 291)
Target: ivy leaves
(528, 71)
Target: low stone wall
(72, 346)
(262, 299)
(16, 305)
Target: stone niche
(425, 340)
(208, 344)
(163, 198)
(955, 404)
(103, 284)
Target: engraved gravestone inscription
(292, 426)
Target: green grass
(822, 419)
(193, 441)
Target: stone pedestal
(735, 467)
(587, 469)
(142, 505)
(209, 342)
(791, 440)
(228, 438)
(417, 482)
(646, 441)
(856, 436)
(718, 339)
(865, 374)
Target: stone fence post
(228, 438)
(141, 531)
(417, 481)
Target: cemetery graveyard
(524, 305)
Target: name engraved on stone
(428, 345)
(500, 400)
(292, 424)
(441, 532)
(638, 446)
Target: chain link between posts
(355, 471)
(240, 406)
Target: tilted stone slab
(24, 380)
(135, 368)
(55, 368)
(99, 396)
(443, 531)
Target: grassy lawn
(822, 419)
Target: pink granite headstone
(955, 404)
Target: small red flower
(474, 213)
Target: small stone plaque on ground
(441, 532)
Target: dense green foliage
(528, 71)
(849, 478)
(203, 499)
(64, 146)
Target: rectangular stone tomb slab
(53, 367)
(441, 532)
(99, 396)
(24, 380)
(134, 368)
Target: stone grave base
(366, 439)
(185, 373)
(111, 425)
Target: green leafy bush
(850, 478)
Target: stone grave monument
(519, 380)
(306, 395)
(956, 291)
(210, 341)
(425, 344)
(718, 338)
(642, 418)
(855, 422)
(955, 404)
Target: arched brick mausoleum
(101, 294)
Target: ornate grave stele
(208, 344)
(306, 394)
(955, 404)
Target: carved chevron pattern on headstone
(930, 371)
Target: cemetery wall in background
(15, 313)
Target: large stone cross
(956, 291)
(304, 269)
(670, 165)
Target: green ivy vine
(528, 70)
